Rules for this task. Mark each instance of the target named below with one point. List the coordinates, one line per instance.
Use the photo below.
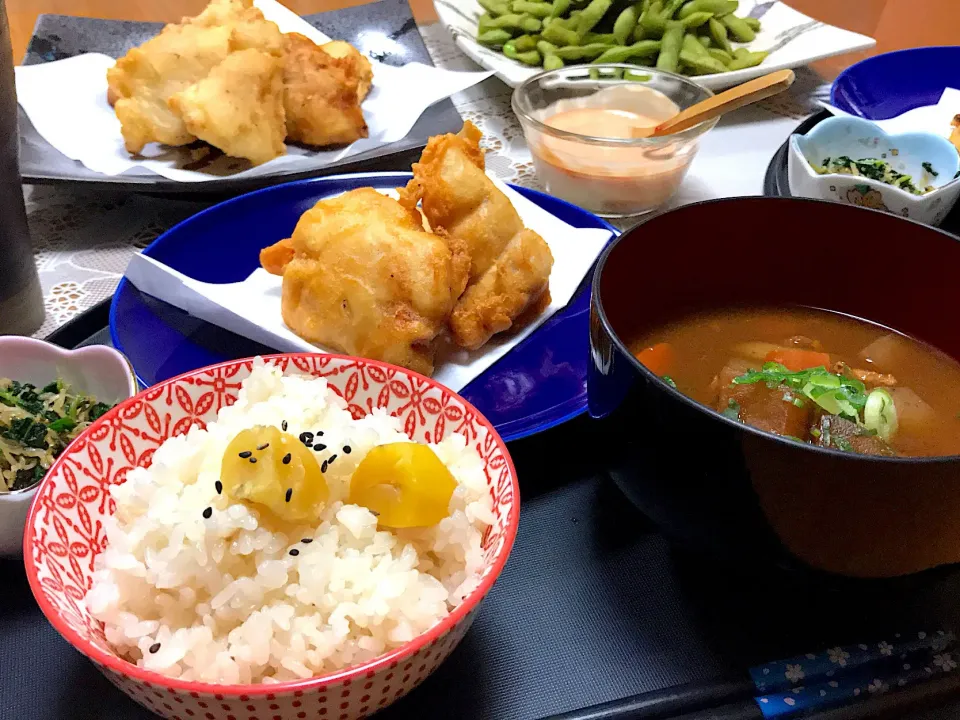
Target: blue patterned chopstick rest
(892, 673)
(782, 675)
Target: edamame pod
(592, 14)
(754, 23)
(525, 43)
(718, 31)
(494, 7)
(625, 52)
(747, 60)
(511, 21)
(705, 40)
(721, 55)
(740, 31)
(701, 64)
(653, 22)
(559, 8)
(552, 62)
(559, 35)
(717, 7)
(546, 48)
(669, 58)
(692, 46)
(531, 57)
(536, 9)
(695, 20)
(636, 77)
(592, 37)
(625, 23)
(493, 38)
(581, 52)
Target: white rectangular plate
(792, 38)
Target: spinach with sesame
(36, 424)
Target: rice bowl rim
(381, 662)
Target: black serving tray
(593, 605)
(776, 181)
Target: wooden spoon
(736, 97)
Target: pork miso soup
(815, 376)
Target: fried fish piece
(275, 258)
(321, 98)
(142, 82)
(238, 107)
(366, 279)
(509, 265)
(358, 66)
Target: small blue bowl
(888, 85)
(907, 153)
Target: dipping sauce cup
(577, 122)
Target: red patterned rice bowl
(342, 657)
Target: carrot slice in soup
(797, 360)
(658, 359)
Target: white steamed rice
(223, 597)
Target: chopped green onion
(842, 443)
(929, 168)
(880, 414)
(669, 381)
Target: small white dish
(95, 370)
(859, 139)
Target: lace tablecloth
(84, 237)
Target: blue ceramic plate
(888, 85)
(539, 384)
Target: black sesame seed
(375, 513)
(263, 447)
(319, 446)
(306, 438)
(323, 467)
(332, 458)
(219, 486)
(286, 459)
(289, 494)
(253, 460)
(294, 552)
(207, 513)
(283, 426)
(245, 454)
(319, 433)
(306, 541)
(154, 648)
(347, 449)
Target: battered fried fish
(321, 94)
(358, 66)
(366, 279)
(509, 265)
(238, 107)
(142, 82)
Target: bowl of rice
(292, 536)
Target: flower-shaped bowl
(64, 534)
(858, 139)
(96, 370)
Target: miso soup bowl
(719, 485)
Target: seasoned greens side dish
(36, 424)
(876, 169)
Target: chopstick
(841, 676)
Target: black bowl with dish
(713, 481)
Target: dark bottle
(21, 302)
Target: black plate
(56, 37)
(776, 182)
